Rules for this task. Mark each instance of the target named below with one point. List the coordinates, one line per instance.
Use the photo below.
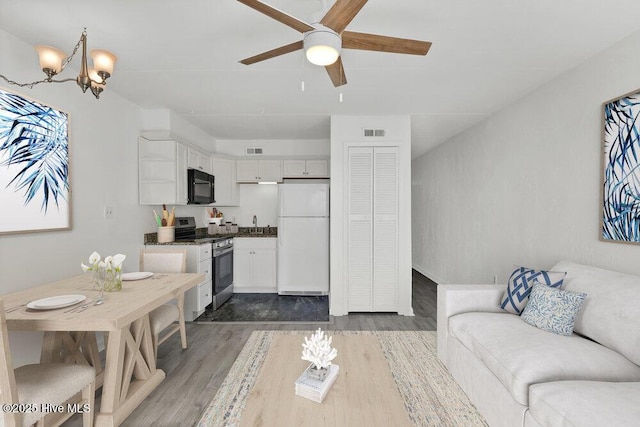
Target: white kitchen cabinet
(198, 261)
(162, 172)
(254, 265)
(372, 232)
(259, 170)
(226, 187)
(305, 168)
(198, 160)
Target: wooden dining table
(130, 372)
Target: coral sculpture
(318, 351)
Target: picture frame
(35, 190)
(621, 169)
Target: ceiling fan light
(322, 47)
(50, 59)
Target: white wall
(255, 199)
(523, 187)
(103, 171)
(347, 131)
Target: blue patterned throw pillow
(553, 310)
(520, 283)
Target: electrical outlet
(108, 212)
(495, 279)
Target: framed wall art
(34, 166)
(621, 169)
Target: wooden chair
(168, 317)
(34, 386)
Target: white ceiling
(183, 55)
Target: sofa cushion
(585, 403)
(520, 284)
(519, 354)
(552, 309)
(610, 313)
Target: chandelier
(53, 61)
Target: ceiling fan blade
(279, 16)
(273, 53)
(341, 13)
(364, 41)
(336, 73)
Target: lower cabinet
(198, 261)
(254, 265)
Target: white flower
(110, 263)
(94, 258)
(118, 259)
(318, 351)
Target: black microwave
(200, 187)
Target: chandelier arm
(71, 79)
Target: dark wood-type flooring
(194, 375)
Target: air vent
(373, 132)
(250, 151)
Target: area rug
(272, 308)
(431, 396)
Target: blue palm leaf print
(621, 210)
(33, 138)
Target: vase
(318, 374)
(113, 281)
(96, 279)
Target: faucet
(255, 223)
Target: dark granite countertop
(203, 236)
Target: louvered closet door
(373, 229)
(385, 229)
(360, 232)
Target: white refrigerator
(303, 239)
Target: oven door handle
(220, 252)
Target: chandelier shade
(103, 61)
(50, 59)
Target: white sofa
(518, 375)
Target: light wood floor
(194, 375)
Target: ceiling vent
(251, 151)
(373, 132)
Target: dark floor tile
(270, 308)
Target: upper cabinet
(224, 171)
(162, 172)
(259, 170)
(305, 168)
(198, 160)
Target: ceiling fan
(324, 40)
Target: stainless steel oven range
(222, 274)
